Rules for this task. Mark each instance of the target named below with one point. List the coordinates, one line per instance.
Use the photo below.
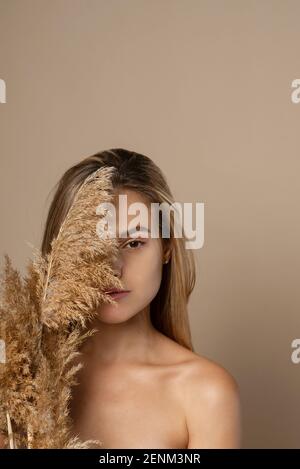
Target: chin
(111, 314)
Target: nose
(117, 266)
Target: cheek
(151, 278)
(145, 273)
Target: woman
(142, 385)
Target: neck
(129, 342)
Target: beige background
(203, 88)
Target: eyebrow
(133, 230)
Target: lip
(116, 294)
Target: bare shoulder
(208, 377)
(210, 398)
(211, 401)
(197, 370)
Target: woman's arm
(212, 404)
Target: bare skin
(176, 400)
(139, 388)
(133, 404)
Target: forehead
(139, 217)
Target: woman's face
(138, 266)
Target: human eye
(132, 242)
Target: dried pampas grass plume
(42, 323)
(77, 270)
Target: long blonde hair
(168, 310)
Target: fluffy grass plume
(43, 319)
